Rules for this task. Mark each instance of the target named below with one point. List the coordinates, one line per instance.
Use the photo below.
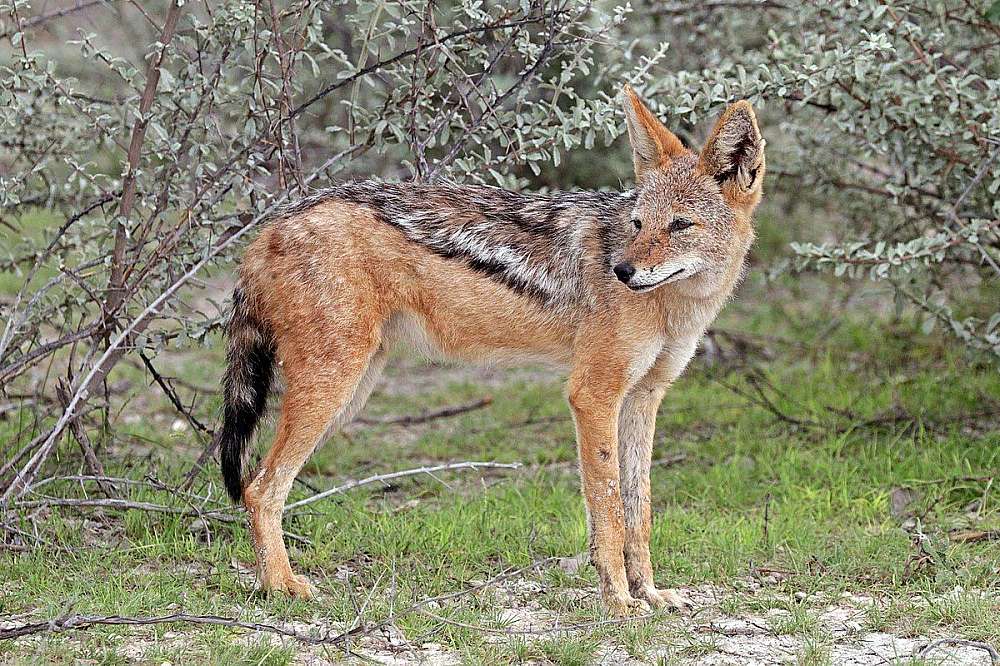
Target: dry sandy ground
(721, 639)
(705, 636)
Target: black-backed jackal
(617, 288)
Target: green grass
(798, 481)
(27, 233)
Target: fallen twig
(408, 420)
(149, 482)
(224, 516)
(85, 621)
(350, 485)
(933, 645)
(972, 536)
(952, 479)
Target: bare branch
(933, 645)
(381, 478)
(408, 420)
(115, 293)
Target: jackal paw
(295, 586)
(625, 605)
(668, 598)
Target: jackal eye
(637, 223)
(680, 224)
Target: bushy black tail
(249, 370)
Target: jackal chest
(644, 357)
(663, 355)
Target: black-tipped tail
(245, 386)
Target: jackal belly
(478, 324)
(478, 342)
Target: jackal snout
(624, 271)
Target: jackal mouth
(643, 288)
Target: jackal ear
(734, 155)
(653, 145)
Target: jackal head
(691, 219)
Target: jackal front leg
(636, 430)
(595, 410)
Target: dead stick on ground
(350, 485)
(972, 536)
(930, 647)
(215, 514)
(428, 416)
(85, 622)
(149, 482)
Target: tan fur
(338, 287)
(653, 145)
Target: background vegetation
(838, 434)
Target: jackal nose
(624, 271)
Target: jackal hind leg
(322, 392)
(636, 430)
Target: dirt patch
(837, 634)
(706, 636)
